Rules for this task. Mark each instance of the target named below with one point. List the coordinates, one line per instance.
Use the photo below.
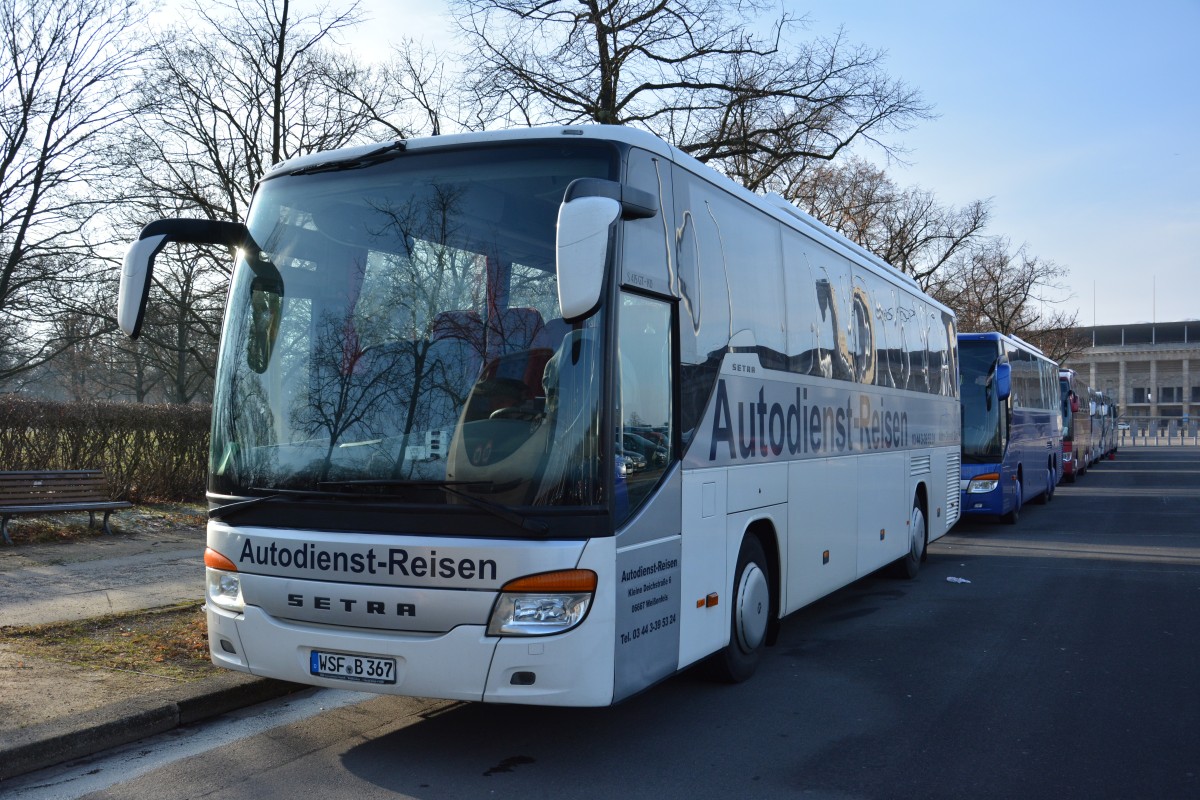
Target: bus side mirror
(581, 251)
(138, 267)
(135, 283)
(586, 217)
(1003, 381)
(1074, 403)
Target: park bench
(53, 491)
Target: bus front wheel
(1014, 513)
(749, 616)
(910, 564)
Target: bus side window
(644, 438)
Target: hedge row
(147, 452)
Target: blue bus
(1011, 425)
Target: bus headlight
(223, 584)
(982, 484)
(542, 605)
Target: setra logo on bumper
(349, 605)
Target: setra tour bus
(1012, 425)
(547, 415)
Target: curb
(58, 741)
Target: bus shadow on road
(1184, 554)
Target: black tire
(1012, 517)
(749, 617)
(1045, 496)
(909, 565)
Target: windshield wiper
(503, 512)
(378, 156)
(222, 511)
(451, 487)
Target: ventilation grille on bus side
(953, 492)
(919, 466)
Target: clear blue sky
(1079, 120)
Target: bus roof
(996, 336)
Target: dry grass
(66, 527)
(168, 642)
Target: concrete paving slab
(53, 712)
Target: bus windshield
(983, 416)
(1064, 385)
(397, 328)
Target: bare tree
(996, 288)
(182, 324)
(921, 236)
(246, 86)
(64, 67)
(908, 228)
(1058, 337)
(414, 94)
(697, 73)
(127, 371)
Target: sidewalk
(51, 712)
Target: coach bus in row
(1011, 425)
(1106, 417)
(436, 356)
(1081, 431)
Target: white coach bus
(545, 416)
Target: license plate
(347, 667)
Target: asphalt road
(1069, 666)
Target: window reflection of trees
(885, 333)
(437, 293)
(413, 341)
(245, 456)
(385, 364)
(644, 437)
(351, 388)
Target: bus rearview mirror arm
(138, 267)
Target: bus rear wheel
(1048, 495)
(749, 616)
